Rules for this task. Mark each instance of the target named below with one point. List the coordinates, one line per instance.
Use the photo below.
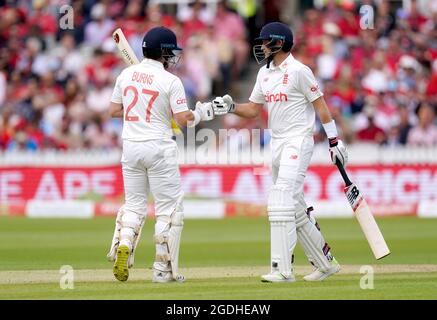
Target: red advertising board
(381, 184)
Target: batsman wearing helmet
(289, 90)
(147, 96)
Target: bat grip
(343, 173)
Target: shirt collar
(152, 62)
(284, 64)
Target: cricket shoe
(318, 275)
(120, 269)
(162, 276)
(277, 276)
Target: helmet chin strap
(272, 55)
(269, 59)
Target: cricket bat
(130, 58)
(364, 216)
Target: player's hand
(223, 105)
(338, 151)
(205, 111)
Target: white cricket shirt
(288, 91)
(149, 95)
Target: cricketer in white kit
(147, 96)
(290, 91)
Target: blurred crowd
(379, 78)
(56, 81)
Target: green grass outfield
(222, 259)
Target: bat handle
(343, 173)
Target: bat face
(367, 221)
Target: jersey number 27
(153, 94)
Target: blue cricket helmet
(272, 32)
(161, 42)
(278, 31)
(160, 38)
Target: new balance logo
(278, 97)
(353, 195)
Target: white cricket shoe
(318, 275)
(276, 276)
(162, 276)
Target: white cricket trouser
(151, 166)
(291, 158)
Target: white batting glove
(223, 105)
(338, 151)
(204, 110)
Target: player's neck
(280, 57)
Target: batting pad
(312, 241)
(174, 240)
(282, 230)
(120, 223)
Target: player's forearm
(116, 110)
(247, 110)
(325, 117)
(322, 110)
(117, 114)
(184, 118)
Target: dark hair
(287, 46)
(152, 53)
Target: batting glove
(204, 110)
(338, 151)
(223, 105)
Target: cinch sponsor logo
(315, 88)
(278, 97)
(181, 101)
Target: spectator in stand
(132, 19)
(186, 11)
(371, 133)
(41, 19)
(414, 17)
(155, 17)
(99, 97)
(404, 125)
(202, 64)
(229, 25)
(100, 28)
(431, 88)
(376, 79)
(3, 84)
(424, 134)
(71, 61)
(97, 137)
(194, 25)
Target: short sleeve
(116, 93)
(178, 101)
(307, 84)
(257, 95)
